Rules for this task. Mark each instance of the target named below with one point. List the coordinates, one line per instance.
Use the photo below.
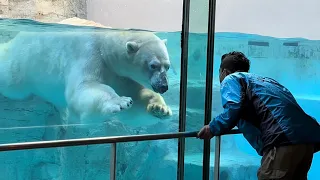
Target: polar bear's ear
(132, 47)
(164, 41)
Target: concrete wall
(285, 18)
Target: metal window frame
(181, 135)
(208, 97)
(183, 86)
(100, 140)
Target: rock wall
(43, 10)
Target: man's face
(223, 73)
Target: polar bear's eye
(153, 66)
(167, 67)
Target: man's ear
(227, 72)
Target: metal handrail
(113, 140)
(99, 140)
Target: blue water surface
(294, 62)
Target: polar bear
(92, 74)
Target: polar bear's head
(149, 62)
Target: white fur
(79, 71)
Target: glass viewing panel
(294, 62)
(72, 92)
(147, 160)
(78, 162)
(197, 57)
(39, 61)
(48, 62)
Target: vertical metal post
(183, 86)
(113, 161)
(217, 151)
(209, 82)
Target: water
(293, 62)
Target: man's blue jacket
(265, 112)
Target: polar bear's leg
(156, 104)
(95, 100)
(153, 102)
(11, 84)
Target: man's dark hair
(235, 62)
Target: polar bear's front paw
(159, 110)
(118, 104)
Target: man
(268, 116)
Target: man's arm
(231, 94)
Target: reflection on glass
(81, 162)
(238, 160)
(147, 160)
(292, 62)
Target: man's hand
(205, 133)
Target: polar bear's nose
(159, 82)
(163, 88)
(163, 83)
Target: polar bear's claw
(118, 104)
